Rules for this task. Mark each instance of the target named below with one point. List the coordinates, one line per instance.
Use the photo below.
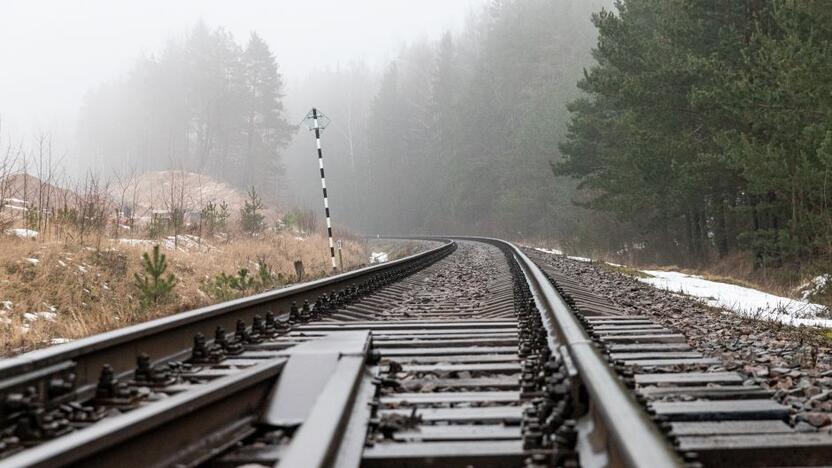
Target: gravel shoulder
(794, 362)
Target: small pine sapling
(152, 284)
(250, 214)
(225, 287)
(265, 274)
(242, 281)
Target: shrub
(265, 275)
(289, 220)
(225, 287)
(157, 227)
(215, 217)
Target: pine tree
(251, 216)
(386, 147)
(266, 131)
(205, 104)
(153, 286)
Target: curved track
(466, 355)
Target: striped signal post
(318, 122)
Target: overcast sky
(51, 52)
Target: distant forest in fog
(456, 135)
(207, 105)
(664, 130)
(453, 135)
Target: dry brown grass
(623, 269)
(398, 248)
(91, 290)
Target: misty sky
(51, 52)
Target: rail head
(632, 436)
(42, 358)
(629, 436)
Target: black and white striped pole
(318, 122)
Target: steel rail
(320, 436)
(172, 337)
(335, 432)
(165, 433)
(631, 436)
(628, 436)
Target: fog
(52, 52)
(446, 115)
(662, 130)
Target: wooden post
(299, 270)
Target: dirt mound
(21, 191)
(145, 195)
(161, 189)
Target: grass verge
(52, 292)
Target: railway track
(713, 416)
(469, 354)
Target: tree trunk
(689, 233)
(697, 237)
(722, 229)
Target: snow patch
(378, 257)
(183, 243)
(549, 251)
(33, 316)
(815, 286)
(745, 301)
(560, 252)
(55, 341)
(136, 241)
(23, 233)
(581, 259)
(33, 261)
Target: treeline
(706, 128)
(459, 132)
(694, 130)
(462, 131)
(206, 104)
